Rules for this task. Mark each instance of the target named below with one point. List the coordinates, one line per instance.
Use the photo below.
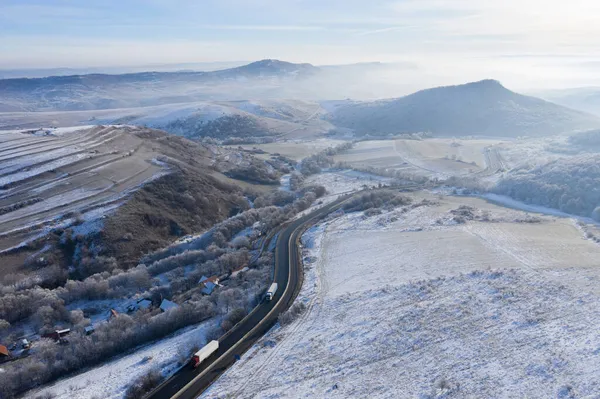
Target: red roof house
(4, 352)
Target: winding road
(189, 383)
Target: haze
(529, 44)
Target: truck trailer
(204, 353)
(271, 292)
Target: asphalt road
(188, 383)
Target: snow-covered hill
(261, 79)
(483, 108)
(220, 119)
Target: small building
(208, 284)
(25, 344)
(144, 304)
(140, 304)
(113, 313)
(132, 308)
(4, 353)
(166, 305)
(89, 330)
(58, 335)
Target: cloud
(381, 30)
(265, 27)
(451, 38)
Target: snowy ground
(431, 157)
(44, 177)
(295, 149)
(110, 380)
(339, 182)
(344, 181)
(409, 304)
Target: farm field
(415, 304)
(293, 149)
(43, 178)
(436, 157)
(55, 178)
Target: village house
(166, 305)
(208, 284)
(4, 353)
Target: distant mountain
(261, 79)
(46, 72)
(481, 108)
(270, 68)
(585, 99)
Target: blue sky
(539, 38)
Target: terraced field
(48, 175)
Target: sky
(524, 42)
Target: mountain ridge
(260, 79)
(263, 65)
(484, 107)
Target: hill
(139, 182)
(483, 108)
(585, 99)
(217, 119)
(268, 68)
(262, 79)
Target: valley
(142, 216)
(492, 299)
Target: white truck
(271, 292)
(204, 353)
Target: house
(209, 284)
(144, 304)
(58, 335)
(113, 313)
(166, 305)
(89, 330)
(140, 304)
(132, 308)
(4, 354)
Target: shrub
(376, 199)
(292, 313)
(372, 212)
(241, 242)
(4, 324)
(143, 385)
(313, 164)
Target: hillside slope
(141, 187)
(481, 108)
(261, 79)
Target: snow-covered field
(297, 149)
(433, 157)
(412, 304)
(45, 176)
(110, 380)
(293, 118)
(343, 181)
